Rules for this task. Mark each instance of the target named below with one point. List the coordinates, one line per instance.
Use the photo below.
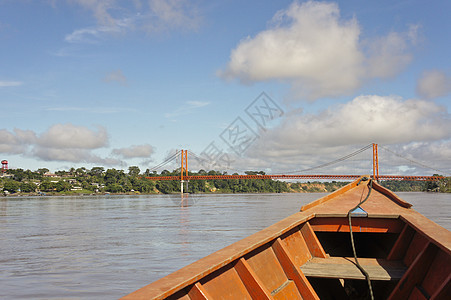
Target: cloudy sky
(279, 86)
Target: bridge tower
(375, 163)
(4, 166)
(183, 169)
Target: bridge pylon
(184, 169)
(375, 163)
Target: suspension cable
(205, 160)
(412, 161)
(334, 161)
(165, 162)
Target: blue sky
(119, 83)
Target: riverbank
(99, 181)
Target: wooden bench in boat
(345, 268)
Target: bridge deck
(279, 176)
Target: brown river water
(104, 247)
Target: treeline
(81, 180)
(442, 186)
(223, 185)
(99, 180)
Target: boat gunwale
(433, 236)
(221, 258)
(386, 192)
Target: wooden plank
(197, 292)
(402, 243)
(415, 273)
(252, 283)
(297, 247)
(315, 247)
(225, 284)
(293, 273)
(376, 225)
(287, 291)
(345, 268)
(267, 268)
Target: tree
(96, 171)
(142, 185)
(27, 187)
(147, 173)
(80, 171)
(11, 186)
(42, 171)
(113, 188)
(62, 186)
(46, 186)
(19, 174)
(113, 176)
(133, 171)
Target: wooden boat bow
(308, 255)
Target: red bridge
(185, 177)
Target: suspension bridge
(184, 175)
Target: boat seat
(345, 268)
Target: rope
(367, 276)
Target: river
(104, 247)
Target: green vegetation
(99, 180)
(442, 186)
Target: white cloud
(172, 14)
(100, 8)
(93, 110)
(16, 142)
(388, 54)
(143, 151)
(306, 140)
(73, 155)
(319, 53)
(433, 84)
(197, 104)
(92, 35)
(70, 136)
(9, 143)
(10, 83)
(69, 143)
(150, 16)
(116, 76)
(188, 107)
(367, 119)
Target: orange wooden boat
(359, 242)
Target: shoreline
(18, 195)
